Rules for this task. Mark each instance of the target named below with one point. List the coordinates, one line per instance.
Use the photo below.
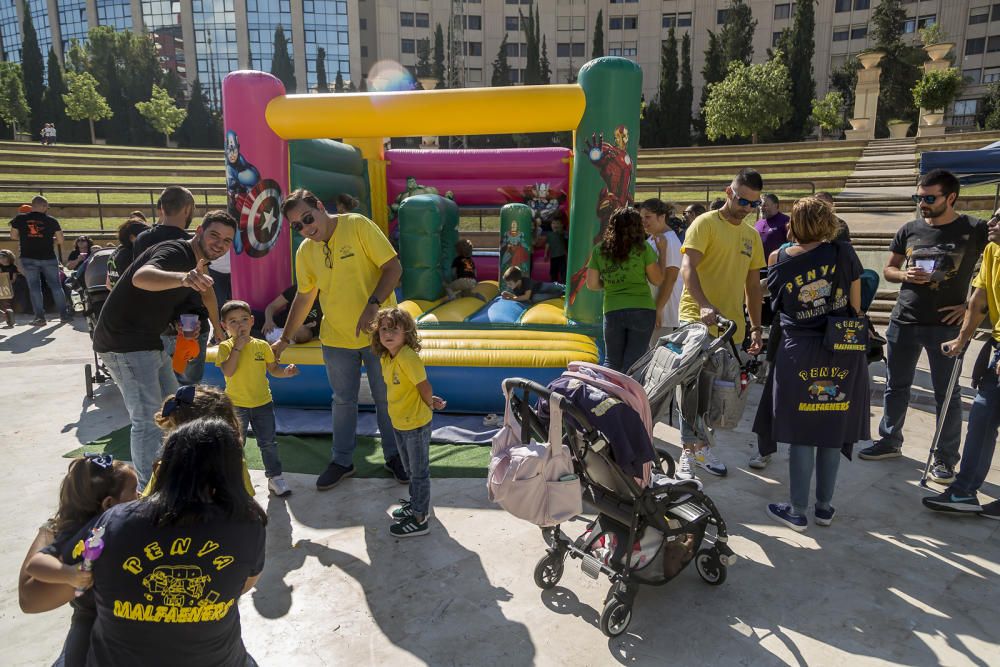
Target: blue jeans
(343, 370)
(144, 378)
(800, 472)
(262, 420)
(905, 343)
(414, 452)
(981, 436)
(195, 369)
(626, 336)
(34, 271)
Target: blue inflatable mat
(498, 311)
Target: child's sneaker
(278, 486)
(784, 514)
(9, 317)
(685, 467)
(760, 461)
(404, 510)
(410, 527)
(706, 458)
(824, 517)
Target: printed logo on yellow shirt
(395, 378)
(258, 355)
(346, 251)
(747, 248)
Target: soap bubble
(390, 76)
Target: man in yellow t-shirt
(721, 263)
(349, 263)
(984, 418)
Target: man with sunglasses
(933, 258)
(721, 263)
(350, 265)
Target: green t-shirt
(625, 284)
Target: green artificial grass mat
(311, 454)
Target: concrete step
(122, 162)
(128, 151)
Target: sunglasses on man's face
(927, 199)
(307, 219)
(752, 203)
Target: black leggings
(626, 336)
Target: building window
(512, 23)
(972, 76)
(909, 26)
(684, 19)
(720, 16)
(470, 22)
(515, 75)
(118, 13)
(861, 4)
(631, 22)
(995, 16)
(859, 32)
(841, 34)
(408, 46)
(842, 6)
(993, 44)
(364, 51)
(263, 17)
(73, 21)
(472, 48)
(991, 75)
(364, 23)
(422, 19)
(567, 49)
(669, 20)
(474, 75)
(214, 30)
(327, 27)
(926, 21)
(515, 50)
(579, 22)
(975, 46)
(782, 11)
(966, 107)
(406, 19)
(979, 15)
(775, 38)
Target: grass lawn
(125, 159)
(984, 189)
(138, 199)
(749, 159)
(6, 165)
(722, 178)
(215, 178)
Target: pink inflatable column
(256, 183)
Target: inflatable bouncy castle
(335, 143)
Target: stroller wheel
(88, 376)
(710, 567)
(615, 617)
(549, 570)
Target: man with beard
(933, 257)
(143, 302)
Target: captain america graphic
(253, 201)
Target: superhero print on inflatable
(543, 200)
(253, 201)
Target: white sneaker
(685, 469)
(278, 486)
(706, 458)
(760, 461)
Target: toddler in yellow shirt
(411, 400)
(245, 362)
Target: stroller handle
(568, 408)
(728, 330)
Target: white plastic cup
(189, 323)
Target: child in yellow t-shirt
(411, 400)
(246, 361)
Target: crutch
(955, 371)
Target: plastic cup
(189, 323)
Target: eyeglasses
(755, 203)
(102, 460)
(327, 257)
(927, 199)
(307, 219)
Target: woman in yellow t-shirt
(411, 400)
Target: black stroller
(641, 535)
(92, 294)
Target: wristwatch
(373, 301)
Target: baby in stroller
(649, 526)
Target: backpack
(534, 481)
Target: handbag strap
(555, 423)
(842, 269)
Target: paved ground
(887, 583)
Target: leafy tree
(544, 70)
(750, 100)
(84, 102)
(424, 57)
(828, 112)
(321, 83)
(14, 108)
(736, 36)
(937, 89)
(598, 50)
(77, 57)
(281, 62)
(437, 68)
(33, 73)
(201, 128)
(162, 113)
(844, 80)
(900, 65)
(501, 68)
(801, 47)
(685, 94)
(988, 117)
(338, 83)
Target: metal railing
(715, 187)
(51, 192)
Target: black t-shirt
(843, 232)
(464, 267)
(37, 232)
(949, 253)
(157, 234)
(805, 288)
(67, 547)
(132, 319)
(313, 317)
(527, 285)
(169, 595)
(120, 260)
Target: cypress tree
(532, 65)
(900, 65)
(281, 62)
(685, 94)
(598, 50)
(33, 74)
(501, 68)
(437, 70)
(200, 128)
(322, 86)
(736, 36)
(801, 48)
(713, 71)
(666, 97)
(544, 70)
(52, 103)
(338, 83)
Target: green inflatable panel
(421, 227)
(449, 235)
(605, 148)
(515, 238)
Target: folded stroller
(646, 531)
(92, 293)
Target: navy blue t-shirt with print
(169, 595)
(806, 288)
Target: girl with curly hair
(621, 264)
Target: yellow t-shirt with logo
(729, 252)
(402, 374)
(248, 386)
(358, 249)
(989, 280)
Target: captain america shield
(260, 218)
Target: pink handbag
(535, 482)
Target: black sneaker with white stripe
(952, 502)
(410, 527)
(403, 511)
